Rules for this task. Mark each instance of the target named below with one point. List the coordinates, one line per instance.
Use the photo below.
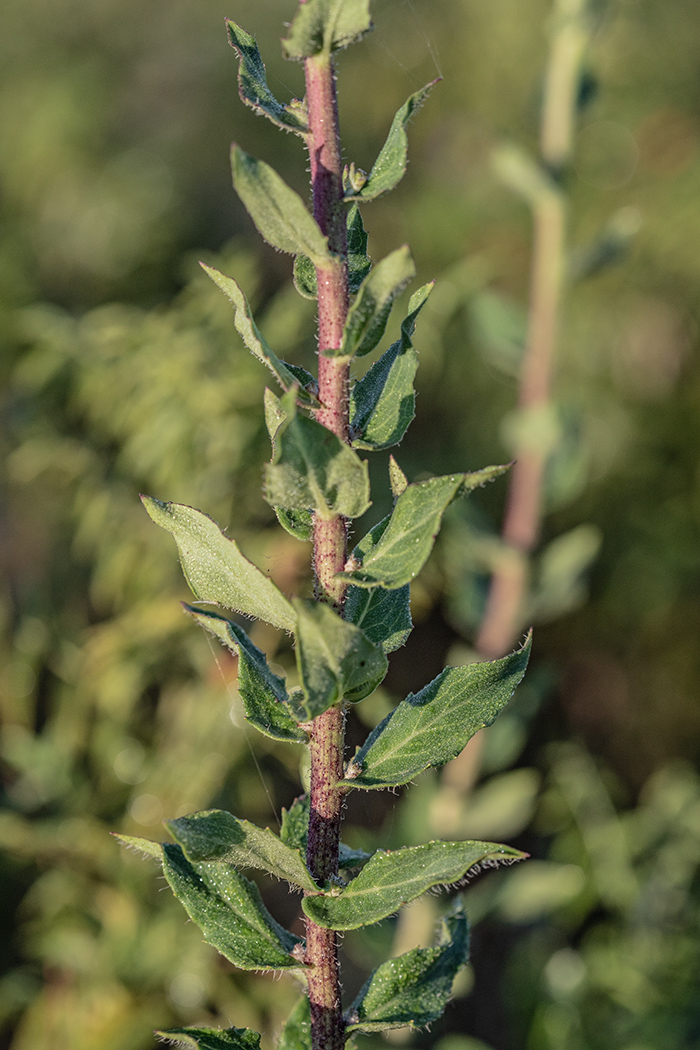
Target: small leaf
(305, 277)
(410, 534)
(397, 479)
(390, 166)
(382, 403)
(393, 878)
(215, 835)
(253, 87)
(368, 316)
(212, 1038)
(336, 660)
(414, 989)
(384, 616)
(359, 262)
(216, 570)
(313, 469)
(288, 376)
(296, 1034)
(295, 831)
(324, 26)
(433, 726)
(262, 693)
(298, 523)
(278, 212)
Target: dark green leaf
(382, 403)
(215, 835)
(336, 660)
(408, 539)
(368, 316)
(295, 823)
(359, 262)
(324, 26)
(434, 725)
(391, 879)
(313, 469)
(384, 616)
(262, 693)
(288, 376)
(298, 523)
(278, 212)
(296, 1034)
(216, 570)
(253, 87)
(414, 989)
(212, 1038)
(390, 165)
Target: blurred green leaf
(324, 26)
(212, 1038)
(296, 1034)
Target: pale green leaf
(413, 989)
(410, 534)
(216, 570)
(215, 835)
(397, 479)
(336, 660)
(382, 403)
(324, 26)
(393, 878)
(253, 87)
(279, 213)
(433, 726)
(390, 165)
(368, 315)
(296, 1034)
(212, 1038)
(312, 469)
(384, 616)
(262, 693)
(288, 376)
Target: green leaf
(359, 262)
(397, 479)
(214, 567)
(392, 878)
(296, 1034)
(433, 726)
(313, 469)
(383, 402)
(227, 908)
(295, 830)
(410, 534)
(278, 212)
(212, 1038)
(368, 315)
(215, 835)
(262, 693)
(336, 660)
(253, 87)
(414, 989)
(384, 616)
(390, 166)
(288, 376)
(298, 523)
(324, 26)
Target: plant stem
(326, 736)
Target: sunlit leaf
(384, 616)
(253, 87)
(324, 26)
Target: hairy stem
(330, 540)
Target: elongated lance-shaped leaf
(288, 376)
(216, 570)
(368, 315)
(413, 989)
(227, 908)
(253, 87)
(383, 402)
(393, 878)
(336, 660)
(384, 616)
(217, 835)
(212, 1038)
(434, 725)
(313, 469)
(278, 212)
(324, 26)
(262, 692)
(390, 166)
(408, 539)
(359, 262)
(296, 1034)
(295, 831)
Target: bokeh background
(121, 372)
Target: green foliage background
(121, 372)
